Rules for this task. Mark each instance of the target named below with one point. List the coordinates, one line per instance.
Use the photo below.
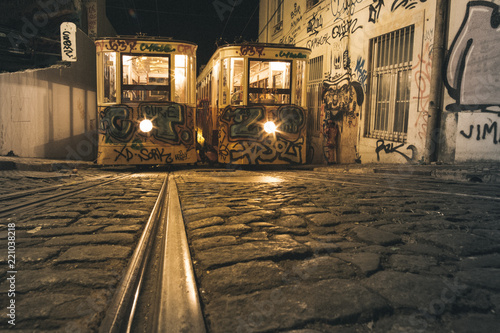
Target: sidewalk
(484, 172)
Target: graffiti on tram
(242, 137)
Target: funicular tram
(251, 101)
(146, 101)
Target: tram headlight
(146, 125)
(270, 127)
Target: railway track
(158, 292)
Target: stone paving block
(318, 247)
(473, 322)
(41, 305)
(208, 222)
(47, 223)
(94, 253)
(211, 242)
(324, 219)
(460, 242)
(291, 221)
(258, 250)
(254, 216)
(131, 213)
(293, 306)
(488, 278)
(375, 236)
(220, 230)
(244, 278)
(406, 290)
(412, 264)
(368, 263)
(56, 279)
(320, 268)
(35, 254)
(133, 228)
(483, 261)
(301, 210)
(104, 238)
(200, 214)
(72, 230)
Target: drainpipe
(436, 88)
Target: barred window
(314, 90)
(390, 81)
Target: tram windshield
(269, 82)
(145, 78)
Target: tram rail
(176, 307)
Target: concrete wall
(472, 94)
(51, 113)
(340, 31)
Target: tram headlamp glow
(270, 127)
(146, 125)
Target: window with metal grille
(390, 81)
(314, 90)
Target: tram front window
(145, 78)
(269, 82)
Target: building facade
(396, 81)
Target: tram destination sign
(68, 41)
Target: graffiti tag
(144, 154)
(340, 7)
(345, 28)
(390, 148)
(406, 4)
(361, 72)
(486, 130)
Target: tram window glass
(180, 78)
(301, 68)
(236, 78)
(269, 82)
(145, 78)
(109, 62)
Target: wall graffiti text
(346, 28)
(483, 132)
(406, 4)
(318, 41)
(340, 7)
(314, 24)
(390, 148)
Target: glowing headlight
(146, 125)
(270, 127)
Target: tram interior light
(146, 125)
(270, 127)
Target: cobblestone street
(273, 251)
(319, 252)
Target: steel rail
(179, 309)
(120, 313)
(6, 211)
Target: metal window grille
(314, 91)
(390, 81)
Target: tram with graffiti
(146, 101)
(251, 101)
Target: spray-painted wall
(51, 112)
(471, 107)
(340, 31)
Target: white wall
(51, 113)
(472, 94)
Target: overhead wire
(229, 18)
(249, 20)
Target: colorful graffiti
(472, 77)
(116, 123)
(242, 139)
(171, 140)
(361, 72)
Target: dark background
(196, 21)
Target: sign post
(68, 41)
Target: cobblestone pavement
(321, 252)
(69, 258)
(295, 251)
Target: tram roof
(147, 38)
(215, 55)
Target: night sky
(197, 21)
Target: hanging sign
(68, 41)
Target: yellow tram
(146, 101)
(251, 101)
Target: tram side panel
(171, 141)
(243, 139)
